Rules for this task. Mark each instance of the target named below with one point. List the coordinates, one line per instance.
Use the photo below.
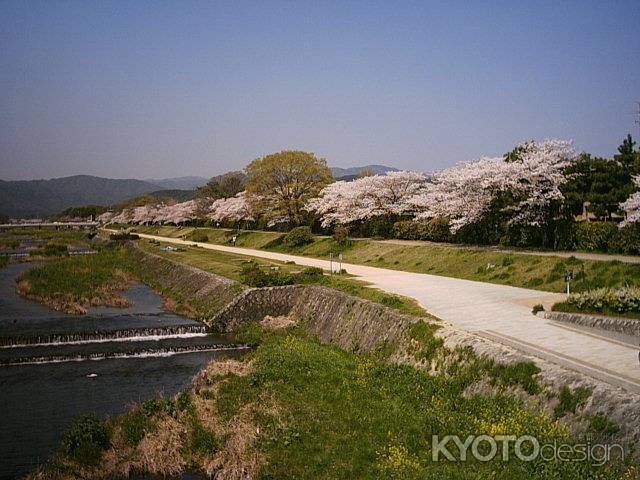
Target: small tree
(628, 157)
(280, 184)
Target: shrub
(601, 424)
(593, 236)
(298, 237)
(621, 300)
(425, 344)
(537, 308)
(120, 237)
(310, 275)
(341, 236)
(85, 441)
(254, 276)
(520, 373)
(569, 400)
(199, 236)
(434, 230)
(134, 426)
(626, 240)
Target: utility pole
(637, 121)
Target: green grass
(221, 236)
(79, 277)
(76, 238)
(521, 270)
(570, 308)
(570, 400)
(75, 283)
(230, 265)
(352, 416)
(521, 373)
(601, 424)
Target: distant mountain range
(37, 198)
(41, 198)
(353, 172)
(179, 183)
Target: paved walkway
(497, 312)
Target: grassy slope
(229, 265)
(536, 272)
(301, 409)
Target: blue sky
(159, 89)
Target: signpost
(568, 277)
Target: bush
(520, 373)
(621, 300)
(134, 426)
(120, 237)
(569, 400)
(593, 236)
(626, 240)
(85, 441)
(601, 424)
(254, 276)
(199, 236)
(311, 275)
(341, 236)
(537, 308)
(298, 237)
(435, 230)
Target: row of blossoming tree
(521, 198)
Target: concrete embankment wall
(206, 292)
(628, 326)
(332, 316)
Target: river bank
(48, 383)
(352, 374)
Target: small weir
(138, 353)
(121, 335)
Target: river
(56, 367)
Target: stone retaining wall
(207, 292)
(628, 326)
(332, 316)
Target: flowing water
(56, 367)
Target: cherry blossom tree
(232, 209)
(123, 217)
(145, 214)
(105, 218)
(532, 179)
(631, 207)
(345, 202)
(179, 212)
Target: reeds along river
(50, 374)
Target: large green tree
(597, 185)
(280, 184)
(223, 186)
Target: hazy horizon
(150, 90)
